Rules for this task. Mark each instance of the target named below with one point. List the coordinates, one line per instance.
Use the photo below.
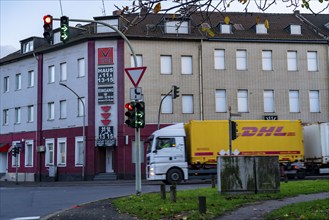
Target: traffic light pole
(138, 183)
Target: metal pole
(83, 129)
(230, 130)
(138, 181)
(160, 108)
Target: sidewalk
(104, 210)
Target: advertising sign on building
(105, 95)
(105, 75)
(105, 136)
(105, 56)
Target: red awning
(4, 147)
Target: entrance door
(3, 162)
(108, 164)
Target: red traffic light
(129, 106)
(48, 19)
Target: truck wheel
(300, 175)
(174, 176)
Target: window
(312, 61)
(219, 59)
(28, 47)
(294, 101)
(162, 143)
(51, 74)
(79, 151)
(139, 59)
(187, 65)
(295, 29)
(81, 106)
(30, 79)
(51, 110)
(50, 155)
(29, 153)
(61, 152)
(166, 107)
(5, 116)
(261, 29)
(176, 27)
(268, 101)
(81, 67)
(225, 28)
(6, 84)
(242, 100)
(220, 100)
(314, 101)
(267, 60)
(63, 73)
(241, 60)
(17, 115)
(292, 60)
(63, 109)
(30, 113)
(187, 104)
(165, 64)
(18, 81)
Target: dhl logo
(265, 131)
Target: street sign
(135, 74)
(136, 94)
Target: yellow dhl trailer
(181, 152)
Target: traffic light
(234, 130)
(130, 113)
(48, 27)
(15, 151)
(140, 115)
(175, 91)
(64, 33)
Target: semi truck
(187, 151)
(316, 141)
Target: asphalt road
(34, 200)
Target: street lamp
(83, 129)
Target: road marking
(27, 218)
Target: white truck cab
(166, 155)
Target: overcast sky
(21, 19)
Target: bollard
(202, 205)
(213, 182)
(163, 191)
(173, 193)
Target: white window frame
(176, 27)
(166, 64)
(81, 67)
(219, 59)
(220, 100)
(187, 104)
(5, 116)
(261, 29)
(63, 71)
(269, 101)
(187, 65)
(30, 113)
(28, 46)
(292, 64)
(241, 60)
(61, 152)
(18, 115)
(167, 105)
(50, 152)
(18, 81)
(62, 109)
(6, 84)
(314, 99)
(81, 106)
(79, 152)
(51, 74)
(294, 101)
(30, 78)
(225, 28)
(295, 29)
(267, 63)
(139, 59)
(312, 61)
(243, 103)
(51, 110)
(28, 151)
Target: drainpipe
(201, 81)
